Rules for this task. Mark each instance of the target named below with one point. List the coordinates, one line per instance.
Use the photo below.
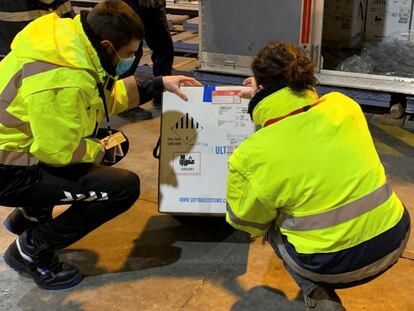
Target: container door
(363, 44)
(234, 31)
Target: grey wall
(242, 27)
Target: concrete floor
(144, 260)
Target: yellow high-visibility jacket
(49, 100)
(315, 175)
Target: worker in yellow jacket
(17, 14)
(56, 85)
(311, 183)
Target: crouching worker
(55, 87)
(310, 181)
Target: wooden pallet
(186, 42)
(192, 24)
(174, 19)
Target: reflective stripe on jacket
(29, 10)
(16, 14)
(49, 100)
(316, 175)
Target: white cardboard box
(197, 139)
(387, 18)
(344, 21)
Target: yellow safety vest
(316, 175)
(49, 100)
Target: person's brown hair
(116, 21)
(283, 63)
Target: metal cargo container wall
(233, 31)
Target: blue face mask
(124, 65)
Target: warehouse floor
(144, 260)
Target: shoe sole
(18, 267)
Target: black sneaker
(48, 273)
(18, 221)
(136, 114)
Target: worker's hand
(251, 90)
(172, 84)
(146, 3)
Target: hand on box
(172, 84)
(252, 88)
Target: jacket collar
(281, 103)
(262, 94)
(97, 53)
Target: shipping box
(344, 22)
(197, 139)
(388, 18)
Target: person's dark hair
(283, 64)
(116, 21)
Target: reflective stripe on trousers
(348, 277)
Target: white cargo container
(233, 32)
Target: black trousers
(344, 261)
(96, 194)
(158, 38)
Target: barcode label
(226, 97)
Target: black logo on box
(186, 162)
(187, 128)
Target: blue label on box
(208, 90)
